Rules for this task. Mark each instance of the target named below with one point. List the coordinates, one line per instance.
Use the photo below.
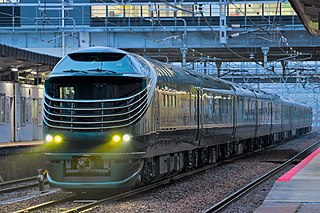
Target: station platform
(298, 190)
(20, 144)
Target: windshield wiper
(103, 70)
(72, 70)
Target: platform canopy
(23, 65)
(309, 13)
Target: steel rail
(94, 204)
(16, 188)
(235, 196)
(17, 181)
(47, 204)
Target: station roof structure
(309, 13)
(28, 64)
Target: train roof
(98, 61)
(177, 74)
(100, 49)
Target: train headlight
(116, 138)
(57, 138)
(126, 137)
(49, 138)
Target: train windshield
(97, 63)
(93, 88)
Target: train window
(39, 111)
(115, 11)
(254, 9)
(172, 101)
(165, 11)
(207, 108)
(2, 108)
(66, 92)
(34, 108)
(143, 66)
(145, 11)
(169, 100)
(132, 10)
(98, 11)
(196, 105)
(113, 63)
(253, 110)
(186, 7)
(93, 57)
(164, 100)
(92, 87)
(236, 9)
(23, 111)
(260, 111)
(239, 107)
(224, 105)
(246, 109)
(218, 104)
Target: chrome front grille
(94, 114)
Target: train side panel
(21, 108)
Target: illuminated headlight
(49, 138)
(57, 139)
(116, 138)
(126, 137)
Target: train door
(35, 113)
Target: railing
(43, 15)
(93, 114)
(252, 21)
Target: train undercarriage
(159, 167)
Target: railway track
(235, 196)
(47, 204)
(217, 207)
(20, 184)
(95, 203)
(90, 206)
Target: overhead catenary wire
(161, 42)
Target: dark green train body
(116, 120)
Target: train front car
(96, 101)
